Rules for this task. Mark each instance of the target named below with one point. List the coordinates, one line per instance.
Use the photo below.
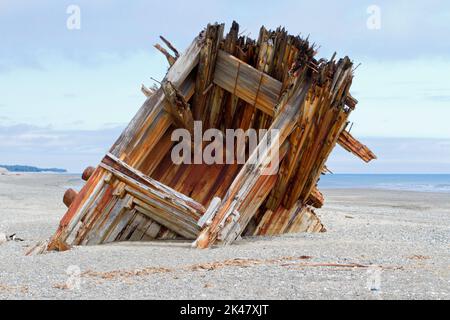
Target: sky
(66, 94)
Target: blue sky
(65, 95)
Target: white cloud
(43, 146)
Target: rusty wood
(178, 107)
(316, 198)
(243, 80)
(170, 46)
(207, 63)
(151, 187)
(349, 143)
(299, 218)
(147, 91)
(323, 136)
(168, 56)
(173, 219)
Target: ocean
(407, 182)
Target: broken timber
(137, 193)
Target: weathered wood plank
(349, 143)
(249, 84)
(152, 188)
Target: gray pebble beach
(379, 245)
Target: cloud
(396, 155)
(44, 146)
(439, 98)
(409, 29)
(30, 137)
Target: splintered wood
(138, 193)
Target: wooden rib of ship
(137, 193)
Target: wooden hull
(137, 193)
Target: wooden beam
(178, 107)
(167, 216)
(299, 218)
(220, 108)
(349, 143)
(170, 46)
(316, 198)
(251, 85)
(207, 63)
(152, 188)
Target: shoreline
(401, 235)
(77, 176)
(374, 189)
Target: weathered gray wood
(177, 74)
(186, 230)
(151, 187)
(349, 143)
(210, 212)
(178, 107)
(207, 63)
(246, 82)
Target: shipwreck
(224, 81)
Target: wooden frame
(138, 193)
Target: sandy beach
(379, 245)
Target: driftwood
(349, 143)
(226, 81)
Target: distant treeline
(16, 168)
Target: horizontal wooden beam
(167, 216)
(251, 85)
(152, 188)
(316, 198)
(349, 143)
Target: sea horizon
(419, 182)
